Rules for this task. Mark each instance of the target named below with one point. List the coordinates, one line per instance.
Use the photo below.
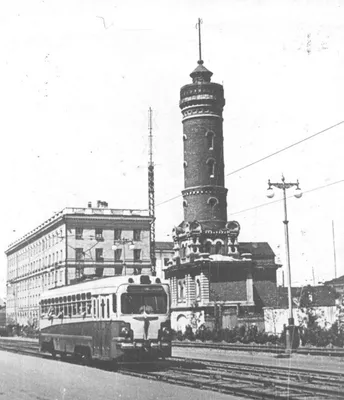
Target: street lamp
(298, 193)
(123, 242)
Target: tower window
(207, 247)
(185, 164)
(211, 167)
(218, 248)
(198, 289)
(181, 291)
(185, 203)
(212, 201)
(210, 139)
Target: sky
(77, 78)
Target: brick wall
(196, 151)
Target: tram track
(256, 348)
(241, 379)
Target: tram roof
(95, 285)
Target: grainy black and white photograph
(172, 188)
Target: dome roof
(201, 73)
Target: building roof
(164, 246)
(81, 212)
(307, 296)
(257, 249)
(336, 281)
(201, 73)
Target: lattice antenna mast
(151, 192)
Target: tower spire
(198, 26)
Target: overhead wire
(278, 200)
(266, 157)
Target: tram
(112, 318)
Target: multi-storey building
(74, 243)
(163, 255)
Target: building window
(198, 289)
(207, 247)
(166, 260)
(137, 234)
(78, 233)
(99, 255)
(117, 234)
(79, 254)
(218, 248)
(181, 291)
(210, 140)
(118, 253)
(137, 254)
(211, 167)
(212, 201)
(99, 234)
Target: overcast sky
(77, 79)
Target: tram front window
(139, 303)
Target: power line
(266, 157)
(278, 200)
(285, 148)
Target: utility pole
(270, 193)
(334, 251)
(151, 192)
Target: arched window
(185, 164)
(212, 201)
(207, 247)
(185, 203)
(210, 139)
(181, 290)
(218, 248)
(211, 167)
(198, 289)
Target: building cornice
(70, 213)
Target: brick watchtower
(210, 275)
(204, 195)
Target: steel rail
(220, 381)
(334, 352)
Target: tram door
(103, 327)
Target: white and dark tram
(114, 318)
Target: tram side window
(68, 306)
(114, 303)
(94, 308)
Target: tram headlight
(124, 332)
(165, 331)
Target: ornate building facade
(210, 273)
